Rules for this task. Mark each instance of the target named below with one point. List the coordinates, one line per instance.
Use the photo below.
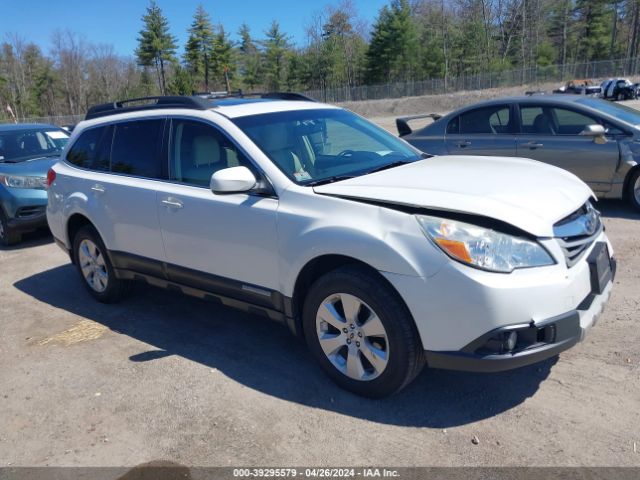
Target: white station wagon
(381, 258)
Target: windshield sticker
(302, 175)
(56, 135)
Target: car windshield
(324, 145)
(21, 144)
(621, 112)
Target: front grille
(577, 232)
(26, 212)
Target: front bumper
(28, 219)
(25, 209)
(546, 339)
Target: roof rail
(266, 95)
(147, 103)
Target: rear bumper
(544, 339)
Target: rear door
(486, 130)
(551, 134)
(123, 163)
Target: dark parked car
(596, 140)
(26, 154)
(619, 89)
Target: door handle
(464, 144)
(97, 188)
(172, 203)
(533, 145)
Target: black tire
(405, 352)
(8, 237)
(115, 288)
(632, 198)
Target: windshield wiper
(324, 181)
(389, 165)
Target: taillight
(51, 177)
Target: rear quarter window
(91, 149)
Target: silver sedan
(596, 140)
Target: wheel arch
(316, 268)
(627, 180)
(75, 222)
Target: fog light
(509, 341)
(503, 342)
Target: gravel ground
(167, 377)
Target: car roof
(244, 107)
(535, 98)
(8, 127)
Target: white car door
(226, 244)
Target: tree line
(409, 40)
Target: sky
(117, 22)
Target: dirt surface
(167, 377)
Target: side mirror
(593, 131)
(232, 180)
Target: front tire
(361, 333)
(8, 237)
(633, 189)
(95, 268)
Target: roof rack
(198, 101)
(266, 95)
(147, 103)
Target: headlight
(17, 181)
(483, 248)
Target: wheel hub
(93, 266)
(352, 336)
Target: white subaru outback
(381, 258)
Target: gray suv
(596, 140)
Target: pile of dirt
(436, 103)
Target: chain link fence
(594, 71)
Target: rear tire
(633, 189)
(95, 268)
(388, 354)
(8, 237)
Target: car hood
(36, 167)
(525, 193)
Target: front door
(552, 135)
(226, 244)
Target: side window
(534, 120)
(454, 126)
(91, 150)
(136, 148)
(570, 122)
(487, 120)
(197, 150)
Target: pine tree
(249, 59)
(276, 46)
(200, 45)
(393, 53)
(156, 45)
(222, 64)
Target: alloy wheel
(636, 190)
(352, 336)
(92, 265)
